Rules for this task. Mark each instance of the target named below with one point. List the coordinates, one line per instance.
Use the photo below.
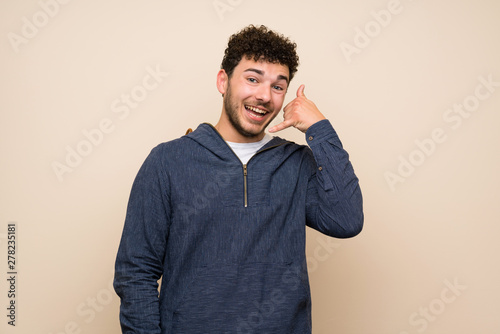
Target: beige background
(67, 73)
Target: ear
(222, 81)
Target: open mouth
(255, 111)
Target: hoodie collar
(207, 136)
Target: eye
(278, 87)
(253, 80)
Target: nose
(263, 93)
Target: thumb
(300, 91)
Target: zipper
(245, 168)
(245, 173)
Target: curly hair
(260, 43)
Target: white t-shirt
(245, 151)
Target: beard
(231, 109)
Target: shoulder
(290, 151)
(171, 148)
(183, 147)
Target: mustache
(258, 104)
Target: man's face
(253, 97)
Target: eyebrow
(260, 72)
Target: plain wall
(412, 87)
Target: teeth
(262, 112)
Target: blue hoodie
(227, 239)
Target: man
(220, 213)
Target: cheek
(278, 101)
(241, 94)
(247, 92)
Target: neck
(229, 133)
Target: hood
(207, 136)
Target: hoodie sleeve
(334, 201)
(139, 263)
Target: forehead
(273, 70)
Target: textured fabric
(244, 151)
(227, 267)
